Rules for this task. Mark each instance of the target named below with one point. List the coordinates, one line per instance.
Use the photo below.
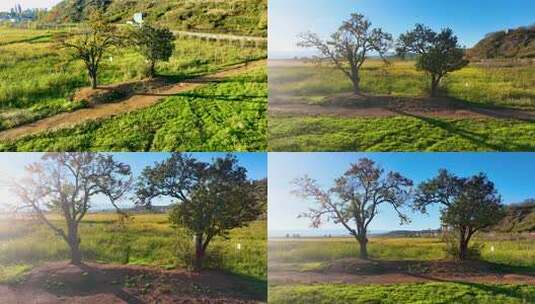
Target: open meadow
(39, 82)
(400, 270)
(137, 254)
(481, 108)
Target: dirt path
(388, 106)
(136, 102)
(94, 283)
(355, 271)
(293, 277)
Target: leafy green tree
(350, 46)
(211, 198)
(438, 53)
(67, 183)
(468, 204)
(355, 198)
(90, 45)
(155, 44)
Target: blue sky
(6, 5)
(470, 19)
(512, 174)
(12, 167)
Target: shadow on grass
(26, 40)
(474, 137)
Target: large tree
(90, 44)
(438, 53)
(355, 198)
(67, 183)
(211, 198)
(155, 44)
(468, 205)
(350, 46)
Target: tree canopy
(438, 53)
(349, 47)
(354, 200)
(211, 198)
(468, 204)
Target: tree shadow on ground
(138, 284)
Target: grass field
(227, 116)
(36, 82)
(317, 256)
(406, 293)
(517, 252)
(37, 79)
(147, 240)
(475, 86)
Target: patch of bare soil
(135, 102)
(94, 283)
(349, 105)
(356, 271)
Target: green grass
(146, 240)
(400, 133)
(37, 79)
(511, 87)
(501, 86)
(226, 116)
(454, 293)
(520, 253)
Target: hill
(520, 218)
(239, 17)
(514, 43)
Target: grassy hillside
(242, 17)
(514, 43)
(520, 218)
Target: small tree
(355, 198)
(349, 47)
(438, 53)
(211, 198)
(67, 183)
(468, 204)
(155, 44)
(91, 44)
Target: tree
(211, 199)
(355, 198)
(67, 183)
(349, 47)
(438, 53)
(155, 44)
(468, 204)
(91, 44)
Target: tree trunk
(463, 249)
(93, 79)
(435, 82)
(199, 252)
(152, 69)
(363, 244)
(74, 244)
(356, 85)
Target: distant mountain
(520, 218)
(413, 233)
(239, 17)
(513, 43)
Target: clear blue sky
(12, 167)
(512, 173)
(470, 19)
(6, 5)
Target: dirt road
(387, 106)
(94, 283)
(133, 103)
(355, 271)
